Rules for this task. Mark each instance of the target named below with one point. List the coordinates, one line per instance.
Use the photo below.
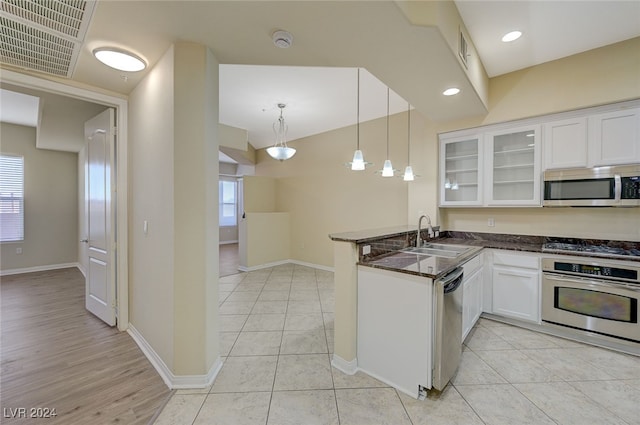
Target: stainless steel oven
(592, 296)
(593, 187)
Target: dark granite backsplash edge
(387, 244)
(539, 240)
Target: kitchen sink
(439, 250)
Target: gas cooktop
(595, 250)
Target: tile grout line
(275, 373)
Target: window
(227, 195)
(11, 198)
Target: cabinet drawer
(516, 260)
(472, 265)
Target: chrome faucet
(430, 229)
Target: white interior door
(100, 296)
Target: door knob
(84, 240)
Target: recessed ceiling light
(451, 91)
(511, 36)
(119, 59)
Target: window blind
(227, 203)
(11, 198)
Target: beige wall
(195, 225)
(259, 194)
(600, 76)
(62, 122)
(51, 203)
(174, 173)
(324, 196)
(267, 238)
(151, 268)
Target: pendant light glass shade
(387, 169)
(408, 174)
(358, 163)
(280, 150)
(281, 153)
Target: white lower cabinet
(516, 286)
(395, 321)
(471, 300)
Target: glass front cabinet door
(461, 171)
(513, 167)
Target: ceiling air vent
(463, 50)
(43, 36)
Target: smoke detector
(282, 39)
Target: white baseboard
(174, 381)
(282, 262)
(312, 265)
(348, 367)
(263, 266)
(40, 269)
(226, 242)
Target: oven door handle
(602, 283)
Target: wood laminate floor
(56, 355)
(229, 259)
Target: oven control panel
(596, 270)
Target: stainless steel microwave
(617, 186)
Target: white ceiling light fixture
(282, 39)
(280, 150)
(119, 59)
(451, 91)
(358, 163)
(511, 36)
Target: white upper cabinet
(501, 165)
(461, 171)
(614, 138)
(565, 143)
(513, 166)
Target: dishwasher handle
(452, 281)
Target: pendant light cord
(408, 133)
(387, 122)
(358, 115)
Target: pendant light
(280, 150)
(358, 163)
(408, 172)
(387, 169)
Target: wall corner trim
(348, 367)
(174, 381)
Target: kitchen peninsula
(518, 256)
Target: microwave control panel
(631, 187)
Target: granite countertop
(418, 264)
(361, 236)
(388, 254)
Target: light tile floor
(277, 339)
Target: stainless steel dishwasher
(447, 347)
